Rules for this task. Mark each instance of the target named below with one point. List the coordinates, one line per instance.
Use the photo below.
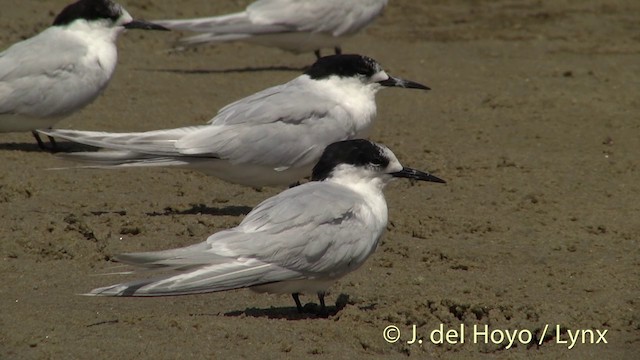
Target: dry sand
(533, 120)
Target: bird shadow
(249, 69)
(58, 147)
(195, 209)
(310, 311)
(26, 147)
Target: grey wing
(30, 69)
(35, 55)
(316, 229)
(278, 129)
(232, 274)
(337, 17)
(311, 231)
(199, 268)
(285, 102)
(280, 225)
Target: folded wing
(284, 238)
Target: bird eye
(376, 162)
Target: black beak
(417, 175)
(397, 82)
(144, 25)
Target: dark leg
(54, 146)
(323, 308)
(338, 50)
(317, 52)
(40, 143)
(296, 298)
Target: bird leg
(296, 298)
(37, 136)
(54, 145)
(337, 49)
(323, 308)
(41, 145)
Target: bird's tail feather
(117, 159)
(211, 278)
(191, 270)
(158, 142)
(220, 29)
(176, 259)
(210, 38)
(208, 24)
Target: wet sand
(532, 120)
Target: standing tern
(299, 241)
(294, 25)
(64, 68)
(271, 138)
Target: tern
(299, 241)
(64, 68)
(271, 138)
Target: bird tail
(152, 148)
(158, 142)
(198, 272)
(218, 29)
(207, 24)
(118, 159)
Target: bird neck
(374, 206)
(352, 96)
(96, 30)
(353, 178)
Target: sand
(532, 120)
